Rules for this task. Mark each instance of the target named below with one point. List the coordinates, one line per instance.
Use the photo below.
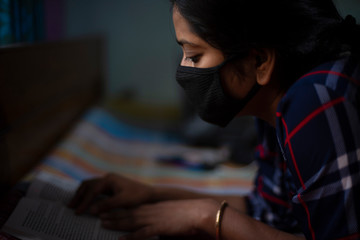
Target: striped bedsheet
(100, 143)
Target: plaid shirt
(309, 166)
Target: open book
(43, 214)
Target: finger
(79, 193)
(120, 214)
(143, 233)
(107, 204)
(121, 224)
(75, 199)
(89, 194)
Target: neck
(268, 114)
(264, 104)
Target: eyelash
(193, 59)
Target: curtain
(5, 22)
(21, 21)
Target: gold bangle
(219, 215)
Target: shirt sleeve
(319, 133)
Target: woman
(295, 66)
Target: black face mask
(203, 88)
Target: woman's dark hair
(304, 33)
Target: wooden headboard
(44, 88)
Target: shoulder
(318, 118)
(324, 86)
(318, 128)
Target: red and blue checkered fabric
(309, 165)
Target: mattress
(100, 143)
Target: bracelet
(219, 215)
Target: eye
(193, 59)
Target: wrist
(207, 217)
(218, 222)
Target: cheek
(236, 85)
(231, 82)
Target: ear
(264, 64)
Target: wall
(346, 7)
(142, 53)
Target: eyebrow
(181, 42)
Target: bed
(52, 120)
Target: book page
(50, 187)
(42, 219)
(43, 213)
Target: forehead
(184, 33)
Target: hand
(168, 218)
(121, 191)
